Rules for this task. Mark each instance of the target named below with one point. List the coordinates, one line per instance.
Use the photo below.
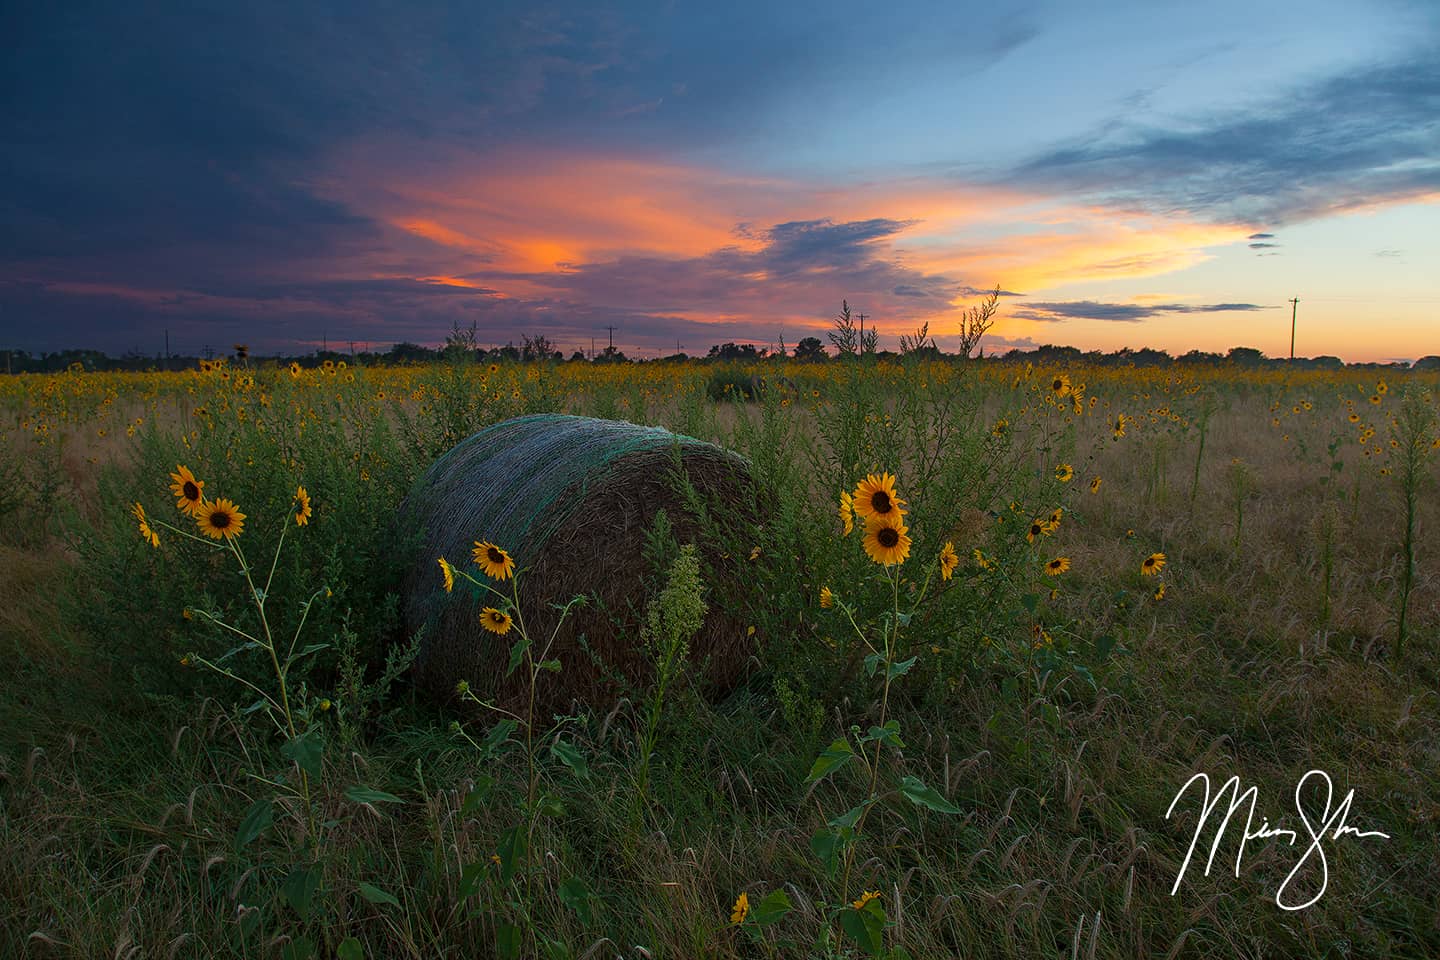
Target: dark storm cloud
(800, 265)
(1056, 311)
(1350, 140)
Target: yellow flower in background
(875, 498)
(1382, 388)
(294, 369)
(1160, 591)
(146, 532)
(865, 898)
(948, 560)
(1057, 566)
(1094, 484)
(496, 621)
(189, 492)
(302, 515)
(1002, 427)
(847, 512)
(1060, 386)
(741, 910)
(494, 561)
(1153, 564)
(1120, 421)
(1064, 473)
(887, 544)
(220, 519)
(447, 573)
(1037, 527)
(827, 598)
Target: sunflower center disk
(888, 537)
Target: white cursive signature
(1329, 825)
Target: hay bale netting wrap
(571, 499)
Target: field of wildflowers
(1001, 615)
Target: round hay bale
(571, 499)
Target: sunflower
(827, 598)
(1382, 388)
(1160, 591)
(1057, 566)
(981, 561)
(1037, 527)
(847, 512)
(1052, 522)
(875, 499)
(1060, 386)
(447, 573)
(948, 560)
(496, 621)
(1153, 564)
(866, 897)
(1064, 473)
(1354, 418)
(1002, 427)
(146, 532)
(886, 543)
(1120, 421)
(1094, 484)
(189, 492)
(220, 519)
(494, 561)
(302, 515)
(294, 369)
(1375, 399)
(741, 910)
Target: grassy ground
(129, 786)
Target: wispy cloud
(1371, 136)
(1056, 311)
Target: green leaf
(508, 939)
(577, 896)
(349, 949)
(517, 653)
(902, 668)
(478, 795)
(825, 844)
(1103, 645)
(299, 889)
(511, 850)
(551, 665)
(363, 794)
(375, 895)
(890, 733)
(498, 734)
(872, 664)
(307, 750)
(256, 821)
(1031, 602)
(848, 819)
(831, 759)
(866, 927)
(570, 756)
(309, 649)
(470, 879)
(772, 909)
(301, 948)
(922, 795)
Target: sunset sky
(1158, 174)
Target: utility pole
(611, 347)
(1294, 303)
(592, 348)
(167, 349)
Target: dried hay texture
(571, 500)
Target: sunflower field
(994, 617)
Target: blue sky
(1158, 174)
